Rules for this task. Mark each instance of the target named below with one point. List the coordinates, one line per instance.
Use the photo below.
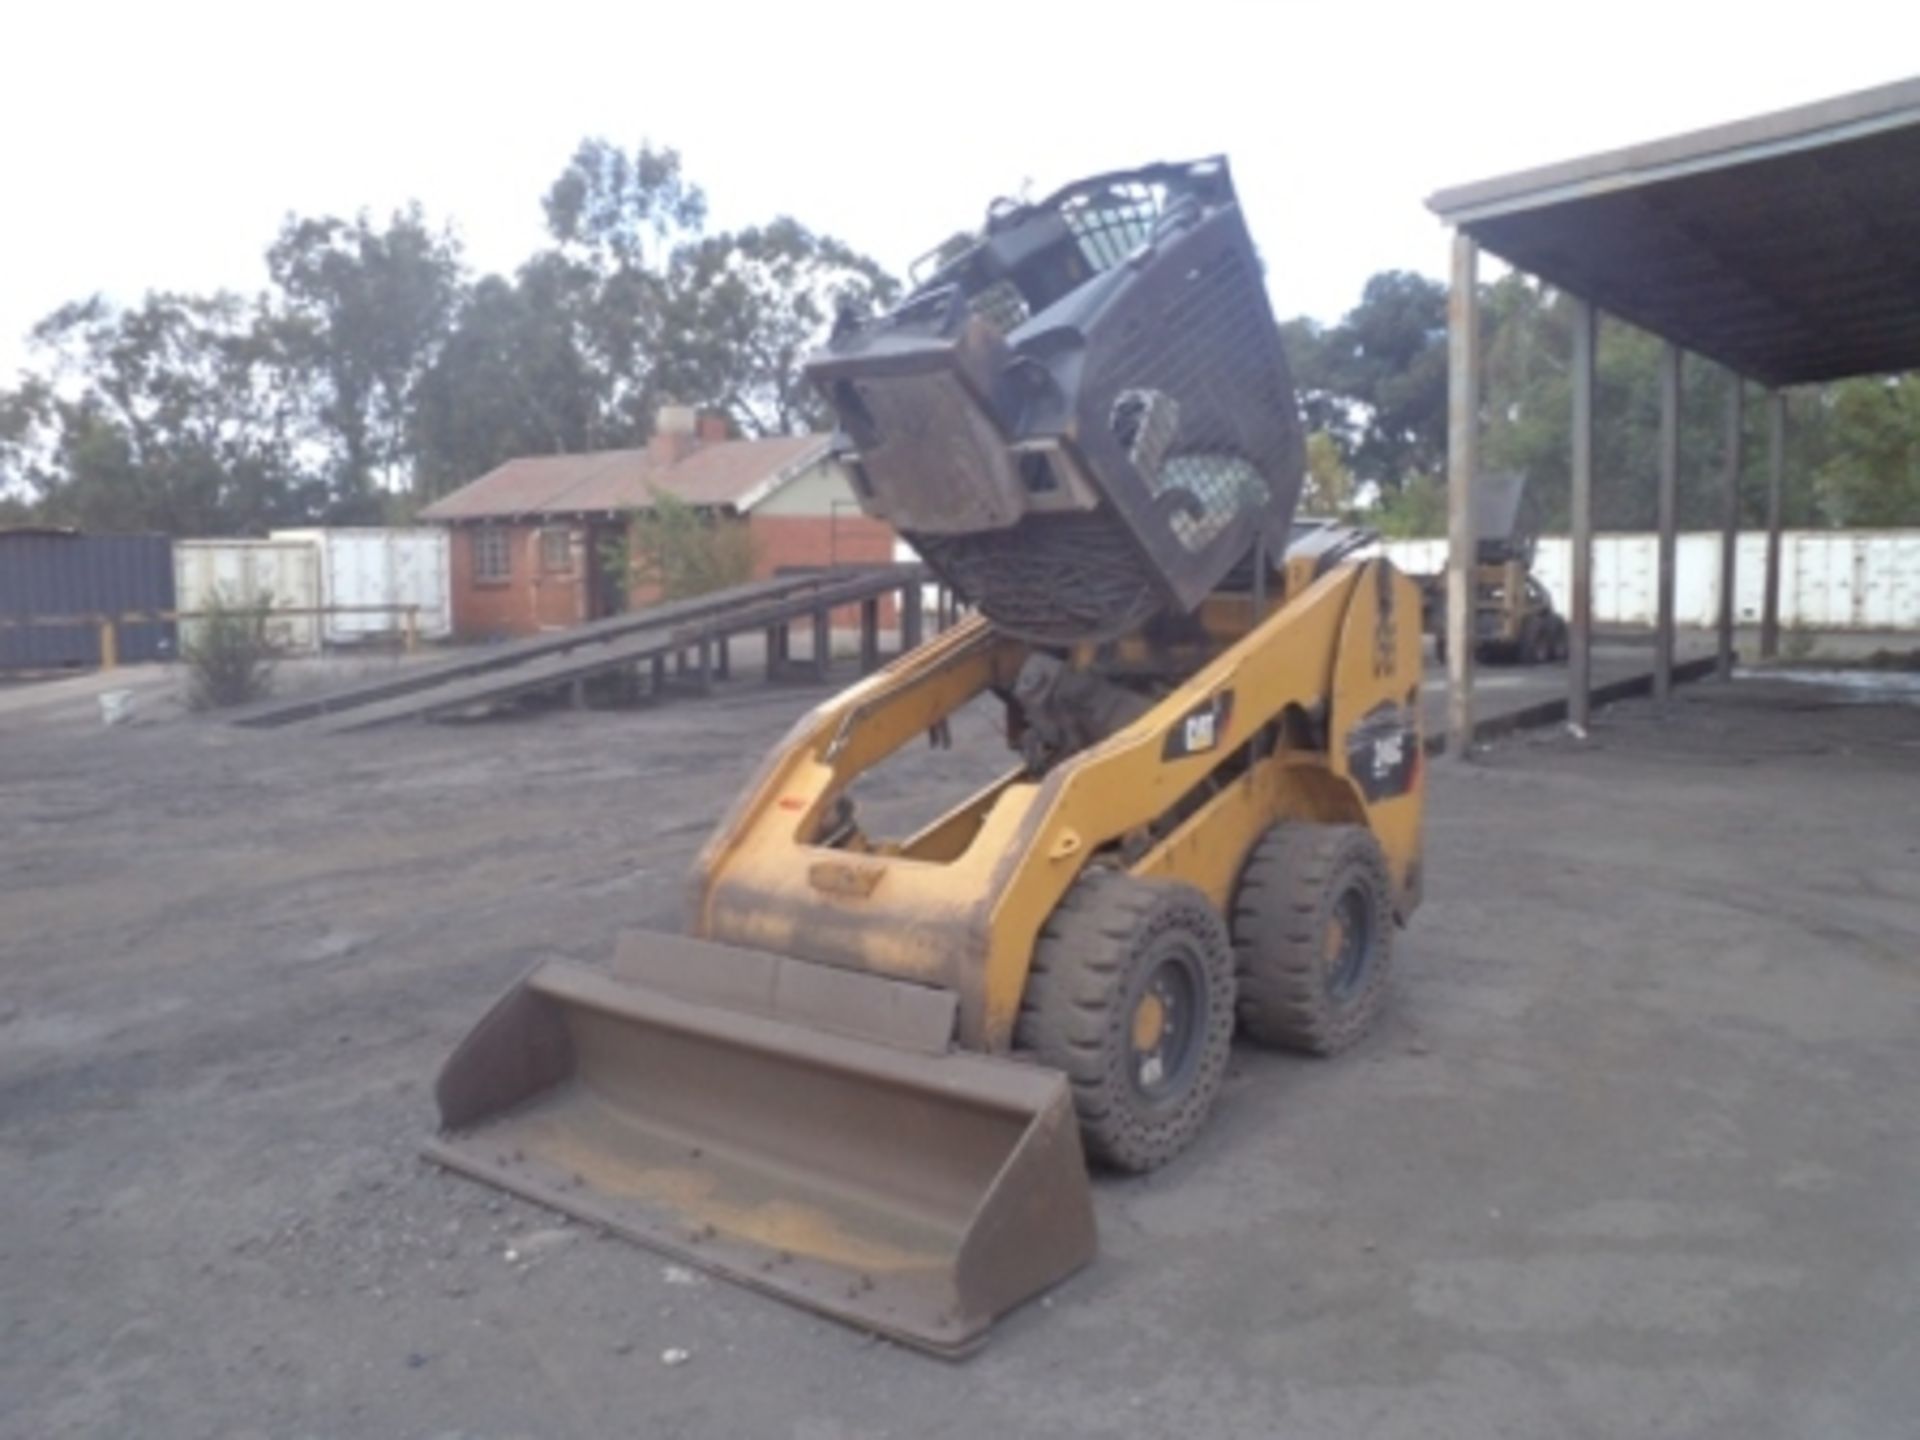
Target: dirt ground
(1635, 1154)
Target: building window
(556, 551)
(492, 555)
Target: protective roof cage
(1082, 416)
(1506, 518)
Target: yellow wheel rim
(1336, 940)
(1149, 1020)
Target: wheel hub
(1348, 937)
(1162, 1030)
(1149, 1022)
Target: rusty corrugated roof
(734, 474)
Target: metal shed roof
(1786, 246)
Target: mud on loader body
(866, 1078)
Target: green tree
(508, 381)
(26, 425)
(616, 220)
(745, 308)
(1417, 510)
(358, 316)
(1527, 420)
(1377, 381)
(1325, 407)
(167, 417)
(1329, 487)
(1871, 476)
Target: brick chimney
(675, 435)
(713, 428)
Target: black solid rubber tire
(1292, 881)
(1097, 951)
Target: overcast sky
(158, 146)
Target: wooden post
(409, 629)
(109, 643)
(723, 658)
(1463, 461)
(703, 675)
(822, 642)
(657, 680)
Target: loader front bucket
(802, 1129)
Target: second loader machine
(870, 1074)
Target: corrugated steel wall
(46, 572)
(284, 574)
(1829, 579)
(367, 565)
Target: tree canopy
(375, 371)
(1373, 390)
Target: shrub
(1799, 644)
(681, 551)
(229, 653)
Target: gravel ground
(1634, 1155)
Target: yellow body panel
(1270, 720)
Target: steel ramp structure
(547, 664)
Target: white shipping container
(374, 566)
(284, 574)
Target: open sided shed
(1785, 248)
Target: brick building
(527, 538)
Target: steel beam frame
(1586, 325)
(1463, 463)
(1730, 525)
(1776, 476)
(1668, 519)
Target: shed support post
(1580, 602)
(822, 642)
(777, 650)
(1776, 476)
(723, 658)
(1669, 521)
(869, 635)
(703, 672)
(1463, 461)
(912, 616)
(657, 678)
(1730, 527)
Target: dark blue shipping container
(45, 571)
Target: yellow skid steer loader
(869, 1077)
